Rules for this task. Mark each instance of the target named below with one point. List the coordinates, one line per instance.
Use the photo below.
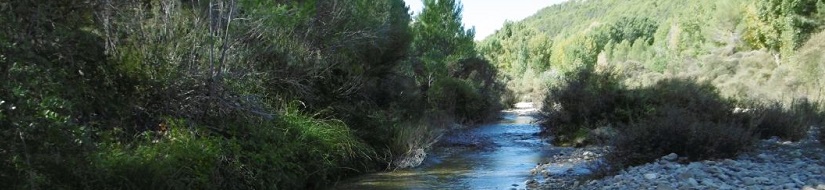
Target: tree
(782, 25)
(632, 28)
(440, 37)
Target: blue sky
(489, 15)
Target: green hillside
(577, 15)
(667, 76)
(658, 37)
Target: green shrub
(682, 131)
(460, 99)
(684, 117)
(180, 159)
(671, 116)
(301, 151)
(579, 104)
(789, 123)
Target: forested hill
(650, 40)
(578, 15)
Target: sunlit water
(493, 156)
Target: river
(492, 156)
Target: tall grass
(412, 141)
(294, 151)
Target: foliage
(582, 102)
(235, 94)
(454, 79)
(439, 33)
(681, 131)
(632, 28)
(788, 122)
(782, 25)
(671, 116)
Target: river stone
(764, 156)
(670, 157)
(532, 183)
(762, 180)
(790, 186)
(663, 186)
(651, 176)
(411, 159)
(692, 182)
(730, 162)
(749, 181)
(709, 183)
(685, 175)
(723, 177)
(725, 187)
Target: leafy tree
(782, 24)
(632, 28)
(440, 39)
(444, 60)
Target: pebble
(651, 176)
(692, 182)
(773, 164)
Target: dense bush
(678, 130)
(581, 103)
(683, 117)
(671, 116)
(787, 122)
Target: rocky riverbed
(773, 164)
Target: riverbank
(773, 164)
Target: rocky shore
(773, 164)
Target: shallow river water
(492, 156)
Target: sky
(489, 15)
